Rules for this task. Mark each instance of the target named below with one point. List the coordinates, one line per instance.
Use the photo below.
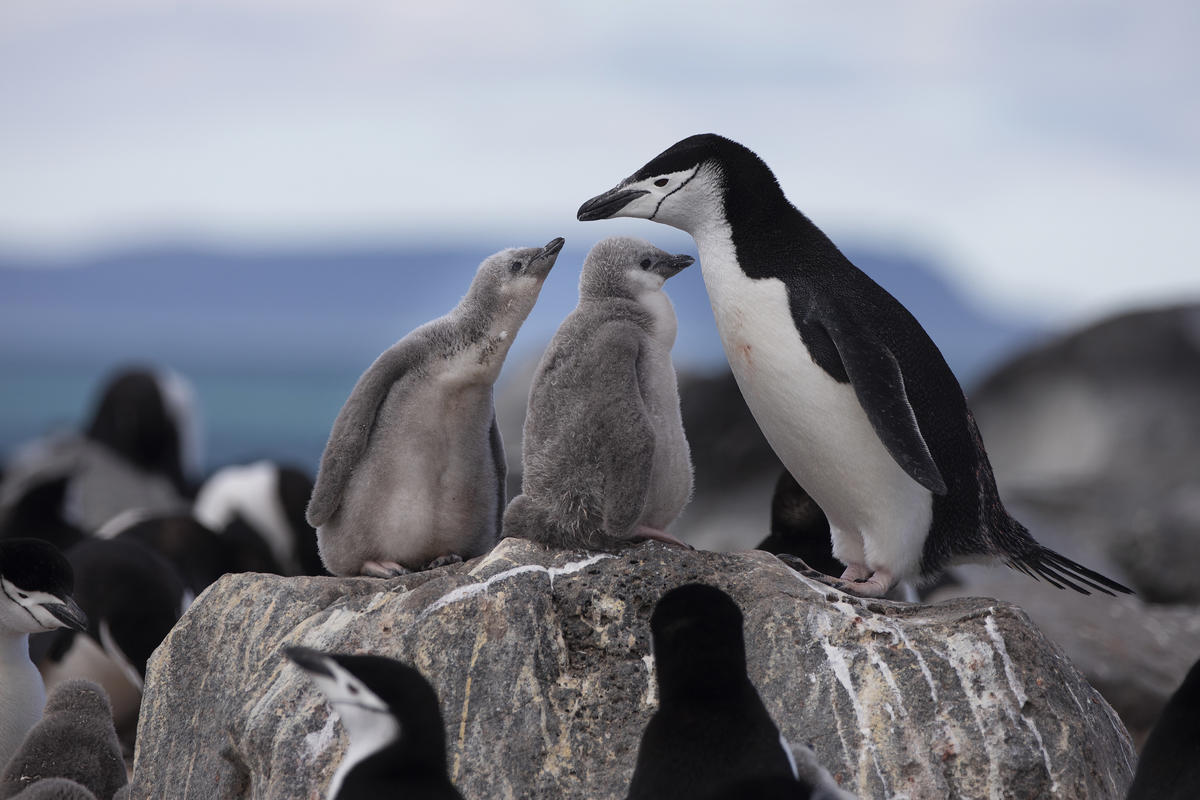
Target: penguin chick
(391, 713)
(75, 739)
(1169, 765)
(711, 731)
(604, 455)
(849, 390)
(414, 469)
(54, 789)
(36, 583)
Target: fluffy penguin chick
(1169, 766)
(397, 739)
(711, 731)
(36, 582)
(414, 468)
(75, 739)
(604, 455)
(851, 393)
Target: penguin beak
(309, 660)
(608, 204)
(540, 264)
(68, 613)
(552, 248)
(671, 265)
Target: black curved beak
(552, 248)
(309, 660)
(605, 205)
(672, 265)
(69, 614)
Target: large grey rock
(541, 660)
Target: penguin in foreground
(413, 474)
(711, 732)
(58, 789)
(75, 740)
(849, 390)
(604, 455)
(36, 583)
(391, 713)
(1169, 765)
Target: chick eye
(645, 263)
(515, 266)
(661, 182)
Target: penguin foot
(444, 561)
(645, 532)
(383, 569)
(856, 572)
(858, 579)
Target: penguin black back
(711, 730)
(1169, 765)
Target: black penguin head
(699, 650)
(623, 266)
(36, 582)
(686, 186)
(380, 702)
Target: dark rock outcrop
(542, 663)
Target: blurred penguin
(38, 514)
(58, 789)
(137, 451)
(711, 732)
(266, 500)
(36, 586)
(391, 712)
(132, 597)
(1169, 766)
(75, 739)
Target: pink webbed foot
(644, 532)
(383, 569)
(858, 579)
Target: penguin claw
(856, 580)
(384, 569)
(444, 561)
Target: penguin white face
(366, 717)
(31, 611)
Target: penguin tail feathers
(1042, 563)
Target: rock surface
(541, 660)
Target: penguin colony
(883, 460)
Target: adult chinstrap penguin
(413, 473)
(36, 586)
(604, 455)
(711, 732)
(391, 713)
(851, 393)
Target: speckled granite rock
(541, 660)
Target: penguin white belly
(878, 515)
(427, 485)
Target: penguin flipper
(352, 428)
(501, 465)
(622, 428)
(878, 383)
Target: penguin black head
(699, 648)
(36, 581)
(622, 266)
(687, 185)
(380, 702)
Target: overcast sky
(1048, 151)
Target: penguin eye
(661, 182)
(515, 266)
(22, 595)
(645, 263)
(353, 689)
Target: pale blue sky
(1048, 151)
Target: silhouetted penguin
(267, 500)
(133, 597)
(391, 713)
(1169, 765)
(413, 474)
(851, 393)
(711, 731)
(604, 452)
(36, 586)
(55, 789)
(75, 739)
